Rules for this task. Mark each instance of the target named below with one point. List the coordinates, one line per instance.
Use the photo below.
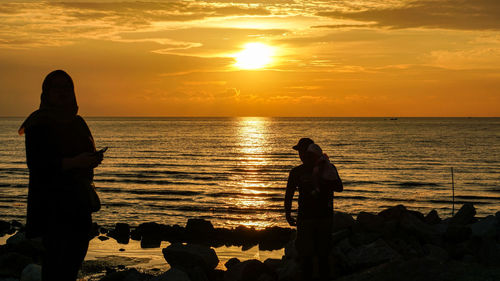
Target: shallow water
(233, 171)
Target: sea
(233, 171)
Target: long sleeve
(42, 157)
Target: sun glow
(254, 55)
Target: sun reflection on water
(252, 135)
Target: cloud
(447, 14)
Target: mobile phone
(102, 150)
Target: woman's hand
(84, 160)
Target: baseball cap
(303, 144)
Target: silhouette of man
(316, 180)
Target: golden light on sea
(254, 56)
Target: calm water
(233, 171)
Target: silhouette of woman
(61, 156)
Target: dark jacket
(54, 196)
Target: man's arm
(337, 184)
(291, 186)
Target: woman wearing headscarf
(61, 156)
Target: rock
(249, 270)
(487, 227)
(32, 272)
(16, 224)
(94, 231)
(394, 213)
(274, 238)
(342, 221)
(273, 264)
(432, 218)
(16, 238)
(150, 234)
(4, 227)
(456, 233)
(103, 238)
(231, 262)
(340, 235)
(372, 254)
(172, 275)
(12, 264)
(370, 222)
(121, 233)
(290, 271)
(465, 215)
(489, 252)
(436, 253)
(187, 257)
(199, 226)
(415, 226)
(266, 277)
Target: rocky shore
(394, 244)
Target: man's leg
(305, 248)
(323, 247)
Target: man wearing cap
(315, 212)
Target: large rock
(150, 234)
(121, 233)
(172, 275)
(187, 257)
(465, 215)
(4, 227)
(432, 218)
(289, 271)
(342, 221)
(12, 264)
(456, 233)
(32, 272)
(127, 275)
(487, 227)
(274, 238)
(231, 262)
(372, 254)
(370, 222)
(415, 226)
(249, 270)
(16, 238)
(394, 213)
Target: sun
(254, 56)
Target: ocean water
(233, 171)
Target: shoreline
(389, 245)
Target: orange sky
(330, 58)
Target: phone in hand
(102, 150)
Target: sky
(314, 58)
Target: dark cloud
(448, 14)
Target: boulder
(16, 238)
(489, 252)
(436, 253)
(32, 272)
(370, 222)
(121, 233)
(12, 264)
(249, 270)
(432, 218)
(289, 271)
(465, 215)
(103, 238)
(150, 234)
(199, 226)
(456, 233)
(172, 275)
(4, 227)
(273, 264)
(231, 262)
(487, 227)
(394, 213)
(187, 257)
(415, 226)
(274, 238)
(372, 254)
(342, 221)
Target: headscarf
(52, 114)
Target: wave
(149, 191)
(416, 184)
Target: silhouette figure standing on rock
(61, 156)
(316, 180)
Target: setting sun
(253, 56)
